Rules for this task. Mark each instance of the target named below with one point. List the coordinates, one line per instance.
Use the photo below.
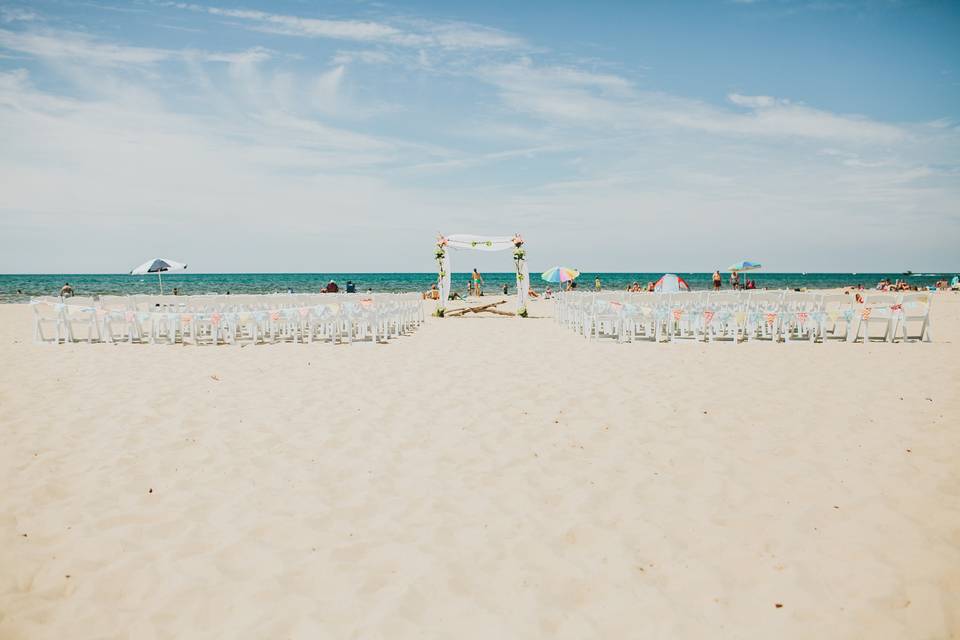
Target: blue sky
(812, 135)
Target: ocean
(21, 287)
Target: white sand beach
(481, 478)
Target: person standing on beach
(596, 284)
(735, 279)
(477, 282)
(717, 280)
(66, 290)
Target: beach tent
(158, 266)
(671, 283)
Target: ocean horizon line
(187, 273)
(22, 287)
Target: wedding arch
(482, 243)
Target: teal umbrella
(744, 265)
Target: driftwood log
(483, 308)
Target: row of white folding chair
(122, 318)
(693, 322)
(891, 312)
(894, 313)
(787, 315)
(72, 319)
(344, 322)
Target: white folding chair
(913, 307)
(877, 309)
(837, 310)
(82, 314)
(49, 311)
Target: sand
(483, 478)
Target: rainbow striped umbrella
(560, 274)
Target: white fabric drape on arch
(523, 285)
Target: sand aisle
(483, 478)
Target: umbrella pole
(160, 278)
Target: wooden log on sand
(483, 308)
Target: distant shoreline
(32, 285)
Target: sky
(336, 136)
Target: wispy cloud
(365, 57)
(80, 47)
(311, 27)
(410, 33)
(83, 49)
(16, 14)
(754, 102)
(602, 100)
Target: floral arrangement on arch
(439, 255)
(519, 256)
(519, 253)
(441, 252)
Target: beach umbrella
(671, 283)
(744, 265)
(560, 274)
(158, 266)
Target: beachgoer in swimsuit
(477, 282)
